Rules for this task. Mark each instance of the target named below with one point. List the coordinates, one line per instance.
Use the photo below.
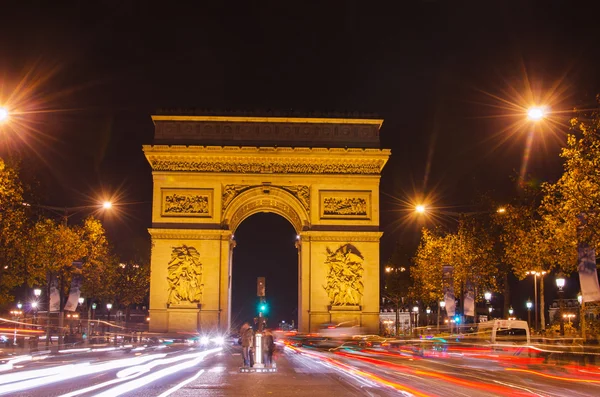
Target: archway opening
(265, 247)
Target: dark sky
(88, 77)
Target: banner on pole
(54, 305)
(74, 294)
(469, 302)
(588, 274)
(450, 300)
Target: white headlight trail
(76, 370)
(154, 376)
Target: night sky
(448, 78)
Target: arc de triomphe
(210, 173)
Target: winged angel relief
(185, 276)
(344, 279)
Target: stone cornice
(189, 234)
(286, 160)
(292, 120)
(347, 237)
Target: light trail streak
(450, 379)
(76, 371)
(353, 372)
(9, 365)
(154, 376)
(528, 371)
(38, 373)
(180, 385)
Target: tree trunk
(48, 334)
(542, 304)
(506, 296)
(61, 313)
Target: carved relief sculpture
(350, 204)
(185, 276)
(187, 202)
(345, 206)
(344, 278)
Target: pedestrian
(247, 336)
(269, 346)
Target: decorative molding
(344, 285)
(275, 205)
(345, 204)
(187, 202)
(301, 192)
(269, 166)
(346, 237)
(257, 160)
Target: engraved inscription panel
(345, 204)
(187, 202)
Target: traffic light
(263, 307)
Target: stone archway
(325, 183)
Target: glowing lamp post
(4, 114)
(108, 307)
(536, 113)
(415, 311)
(529, 305)
(442, 306)
(428, 311)
(511, 311)
(560, 283)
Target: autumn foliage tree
(13, 232)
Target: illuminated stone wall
(203, 193)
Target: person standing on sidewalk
(247, 336)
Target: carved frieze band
(301, 192)
(274, 166)
(187, 202)
(345, 204)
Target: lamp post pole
(108, 307)
(441, 307)
(529, 304)
(560, 283)
(581, 315)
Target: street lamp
(529, 305)
(4, 114)
(420, 208)
(536, 113)
(560, 283)
(416, 314)
(108, 307)
(535, 298)
(510, 311)
(441, 307)
(37, 292)
(428, 311)
(487, 296)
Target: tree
(56, 249)
(13, 231)
(131, 284)
(471, 253)
(98, 263)
(572, 204)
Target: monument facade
(212, 172)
